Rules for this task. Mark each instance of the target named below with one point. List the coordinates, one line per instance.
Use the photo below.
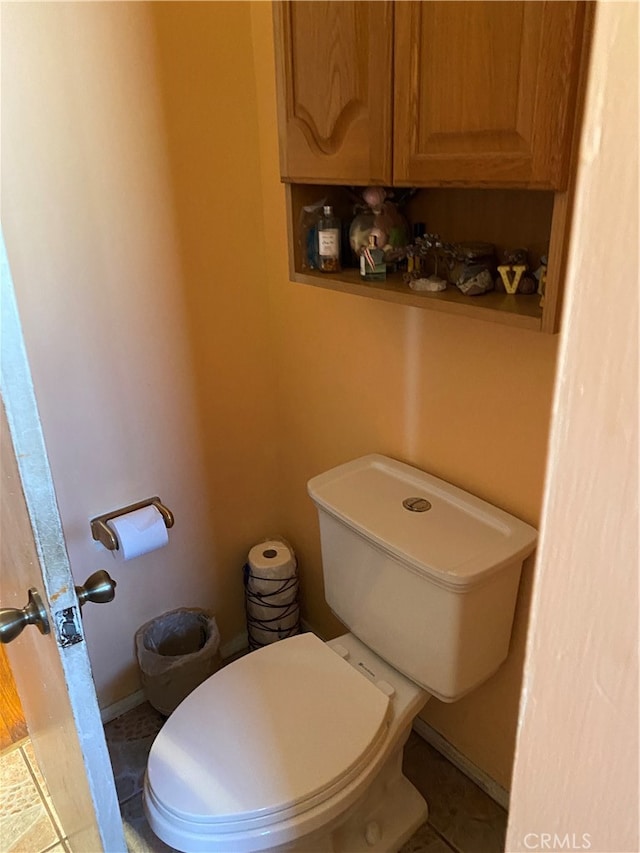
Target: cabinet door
(485, 92)
(334, 74)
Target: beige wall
(144, 168)
(467, 400)
(577, 762)
(137, 265)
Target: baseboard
(128, 703)
(307, 629)
(482, 779)
(122, 706)
(236, 644)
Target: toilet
(298, 745)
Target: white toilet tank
(425, 574)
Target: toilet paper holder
(101, 532)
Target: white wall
(575, 784)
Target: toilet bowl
(297, 732)
(298, 746)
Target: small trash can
(176, 652)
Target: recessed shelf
(505, 218)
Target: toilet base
(376, 811)
(387, 817)
(380, 821)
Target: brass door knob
(99, 588)
(13, 620)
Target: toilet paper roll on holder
(101, 532)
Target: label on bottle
(329, 243)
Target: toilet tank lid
(453, 537)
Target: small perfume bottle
(372, 265)
(328, 241)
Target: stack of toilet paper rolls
(271, 593)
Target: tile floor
(28, 822)
(462, 818)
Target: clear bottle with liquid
(328, 241)
(372, 263)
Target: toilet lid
(282, 728)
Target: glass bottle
(328, 241)
(372, 264)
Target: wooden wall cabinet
(483, 93)
(333, 62)
(453, 97)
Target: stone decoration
(475, 280)
(433, 284)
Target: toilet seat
(268, 737)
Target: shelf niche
(531, 219)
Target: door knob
(13, 620)
(99, 588)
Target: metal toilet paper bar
(101, 532)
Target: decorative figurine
(379, 216)
(514, 275)
(429, 244)
(413, 255)
(434, 244)
(541, 276)
(372, 264)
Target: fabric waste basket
(176, 652)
